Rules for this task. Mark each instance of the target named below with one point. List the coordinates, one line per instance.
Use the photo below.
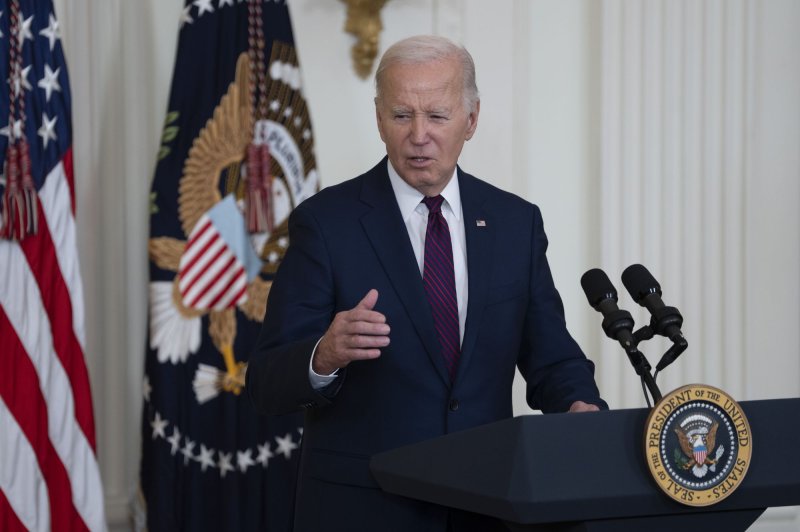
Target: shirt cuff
(318, 381)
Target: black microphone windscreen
(597, 287)
(639, 282)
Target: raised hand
(355, 334)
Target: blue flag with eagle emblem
(236, 156)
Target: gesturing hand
(355, 334)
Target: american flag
(49, 476)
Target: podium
(586, 472)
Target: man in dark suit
(406, 299)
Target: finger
(363, 354)
(361, 341)
(369, 300)
(365, 327)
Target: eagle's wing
(166, 252)
(221, 142)
(256, 305)
(686, 447)
(711, 437)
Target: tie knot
(434, 204)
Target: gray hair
(425, 49)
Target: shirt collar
(409, 198)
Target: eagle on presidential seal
(699, 443)
(223, 265)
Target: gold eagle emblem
(689, 445)
(219, 150)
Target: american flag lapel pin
(480, 223)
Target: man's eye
(401, 116)
(439, 118)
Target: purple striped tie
(439, 280)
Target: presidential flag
(49, 477)
(236, 156)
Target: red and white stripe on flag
(211, 276)
(49, 475)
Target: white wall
(544, 133)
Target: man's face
(423, 122)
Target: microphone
(665, 321)
(602, 296)
(618, 325)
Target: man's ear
(472, 120)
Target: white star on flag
(224, 2)
(264, 454)
(146, 388)
(49, 82)
(47, 130)
(186, 18)
(25, 31)
(15, 129)
(206, 458)
(175, 441)
(224, 463)
(52, 32)
(21, 81)
(285, 445)
(188, 451)
(159, 425)
(1, 15)
(244, 460)
(203, 6)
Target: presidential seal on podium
(698, 444)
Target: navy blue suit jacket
(350, 238)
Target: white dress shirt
(415, 216)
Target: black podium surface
(587, 472)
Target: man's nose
(419, 130)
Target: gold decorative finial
(364, 22)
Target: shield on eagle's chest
(700, 453)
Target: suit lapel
(388, 235)
(479, 232)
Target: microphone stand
(615, 323)
(642, 368)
